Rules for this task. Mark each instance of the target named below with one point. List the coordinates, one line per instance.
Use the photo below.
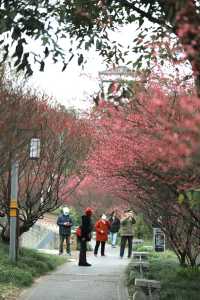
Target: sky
(74, 86)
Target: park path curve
(104, 280)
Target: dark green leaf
(16, 33)
(64, 67)
(80, 59)
(42, 64)
(46, 51)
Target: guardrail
(145, 289)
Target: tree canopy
(64, 140)
(87, 23)
(147, 154)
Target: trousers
(62, 238)
(102, 247)
(82, 254)
(124, 239)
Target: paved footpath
(104, 280)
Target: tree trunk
(182, 259)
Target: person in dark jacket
(127, 232)
(86, 230)
(114, 228)
(65, 223)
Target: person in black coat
(114, 228)
(65, 223)
(86, 230)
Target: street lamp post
(13, 211)
(34, 154)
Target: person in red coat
(102, 227)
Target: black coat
(64, 229)
(86, 227)
(114, 224)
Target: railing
(145, 289)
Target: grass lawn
(30, 265)
(177, 283)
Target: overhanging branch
(144, 14)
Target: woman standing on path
(114, 228)
(102, 228)
(85, 236)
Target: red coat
(102, 230)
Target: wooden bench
(137, 242)
(146, 289)
(140, 266)
(140, 255)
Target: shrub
(17, 276)
(177, 283)
(142, 229)
(30, 264)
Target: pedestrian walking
(102, 227)
(85, 236)
(127, 232)
(65, 223)
(114, 228)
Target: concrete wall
(43, 236)
(40, 237)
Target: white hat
(65, 211)
(103, 217)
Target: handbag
(78, 232)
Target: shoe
(95, 255)
(121, 257)
(84, 265)
(68, 254)
(102, 254)
(129, 257)
(60, 253)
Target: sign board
(158, 240)
(35, 148)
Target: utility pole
(13, 211)
(34, 154)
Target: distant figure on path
(127, 232)
(85, 236)
(114, 228)
(65, 223)
(102, 227)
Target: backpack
(78, 232)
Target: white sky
(73, 86)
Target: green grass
(30, 264)
(177, 283)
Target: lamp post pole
(34, 154)
(13, 211)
